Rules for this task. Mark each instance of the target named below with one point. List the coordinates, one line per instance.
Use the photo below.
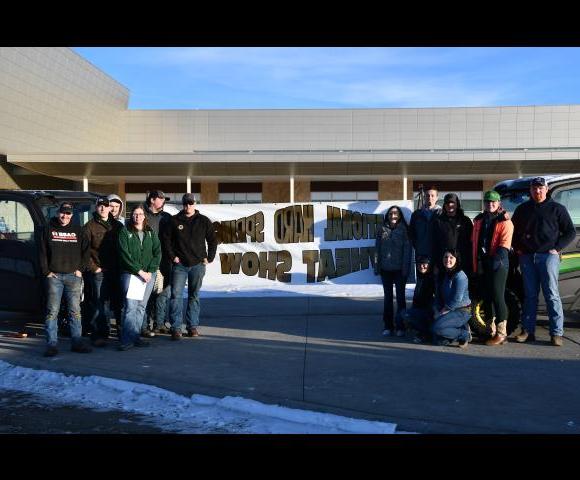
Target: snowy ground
(176, 413)
(322, 289)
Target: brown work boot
(556, 340)
(192, 332)
(525, 337)
(497, 339)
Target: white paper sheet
(136, 289)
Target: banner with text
(261, 245)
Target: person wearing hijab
(392, 262)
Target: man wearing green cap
(491, 241)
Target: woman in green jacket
(140, 255)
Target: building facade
(64, 123)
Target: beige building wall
(356, 129)
(53, 100)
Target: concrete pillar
(209, 193)
(302, 191)
(292, 189)
(85, 184)
(188, 186)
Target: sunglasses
(66, 213)
(189, 202)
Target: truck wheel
(479, 323)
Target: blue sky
(333, 77)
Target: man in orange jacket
(491, 242)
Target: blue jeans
(70, 285)
(452, 325)
(134, 311)
(389, 278)
(102, 288)
(157, 310)
(194, 276)
(541, 269)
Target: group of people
(454, 254)
(107, 255)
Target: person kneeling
(452, 308)
(419, 317)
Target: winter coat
(452, 232)
(393, 249)
(62, 249)
(103, 243)
(420, 230)
(134, 255)
(541, 227)
(159, 222)
(424, 291)
(501, 238)
(186, 237)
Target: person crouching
(419, 317)
(452, 308)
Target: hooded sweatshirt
(452, 232)
(116, 198)
(62, 249)
(186, 237)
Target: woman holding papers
(140, 255)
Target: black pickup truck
(22, 214)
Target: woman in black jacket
(392, 262)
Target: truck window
(571, 200)
(15, 222)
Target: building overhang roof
(139, 167)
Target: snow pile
(177, 413)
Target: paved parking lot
(328, 355)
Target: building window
(240, 197)
(344, 196)
(356, 191)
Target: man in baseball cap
(65, 207)
(539, 181)
(156, 311)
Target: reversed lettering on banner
(327, 243)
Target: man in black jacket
(156, 310)
(63, 251)
(452, 229)
(542, 229)
(185, 245)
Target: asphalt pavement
(327, 354)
